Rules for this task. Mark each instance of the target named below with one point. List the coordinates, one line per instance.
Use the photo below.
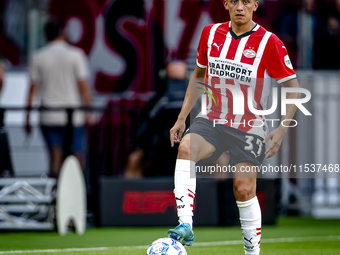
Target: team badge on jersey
(249, 53)
(288, 62)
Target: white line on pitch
(274, 240)
(55, 250)
(220, 243)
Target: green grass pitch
(301, 236)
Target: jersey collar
(254, 29)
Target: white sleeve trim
(286, 79)
(200, 66)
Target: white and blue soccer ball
(166, 246)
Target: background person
(153, 123)
(59, 71)
(297, 29)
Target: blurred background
(140, 54)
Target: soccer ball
(166, 246)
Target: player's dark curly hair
(52, 29)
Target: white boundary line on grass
(274, 240)
(55, 250)
(233, 242)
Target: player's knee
(244, 190)
(184, 150)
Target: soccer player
(237, 54)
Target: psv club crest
(249, 53)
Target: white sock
(185, 190)
(250, 217)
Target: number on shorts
(250, 145)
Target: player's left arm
(277, 135)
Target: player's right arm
(190, 99)
(192, 93)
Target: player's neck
(244, 28)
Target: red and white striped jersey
(250, 60)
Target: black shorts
(241, 146)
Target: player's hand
(176, 132)
(276, 136)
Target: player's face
(241, 11)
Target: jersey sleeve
(202, 51)
(279, 65)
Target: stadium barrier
(151, 202)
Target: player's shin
(185, 189)
(250, 217)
